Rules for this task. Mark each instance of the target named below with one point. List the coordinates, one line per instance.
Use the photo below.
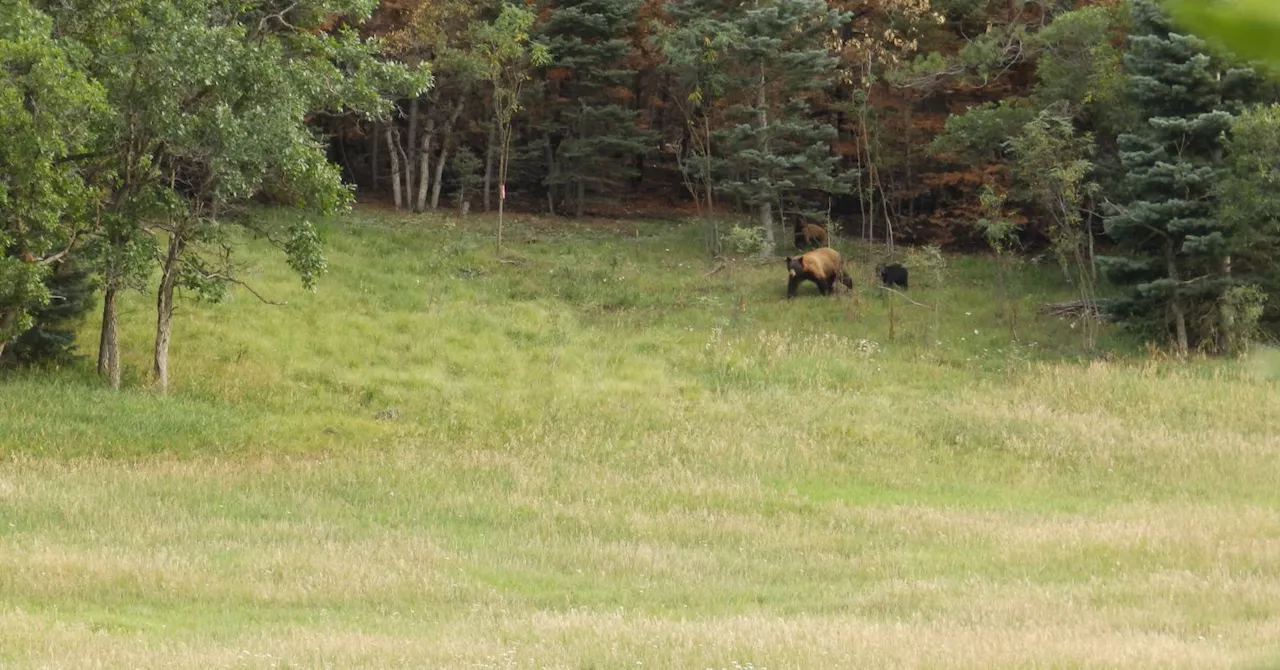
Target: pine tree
(52, 338)
(773, 147)
(591, 134)
(1174, 260)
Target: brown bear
(820, 266)
(810, 235)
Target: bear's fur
(820, 266)
(810, 235)
(891, 275)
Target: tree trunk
(553, 174)
(375, 165)
(488, 162)
(6, 322)
(392, 142)
(109, 342)
(766, 207)
(580, 184)
(412, 143)
(439, 178)
(1226, 337)
(706, 164)
(906, 131)
(164, 311)
(766, 222)
(505, 140)
(428, 137)
(1175, 305)
(444, 154)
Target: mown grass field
(598, 455)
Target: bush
(1242, 308)
(745, 241)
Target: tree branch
(61, 254)
(233, 280)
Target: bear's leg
(824, 285)
(792, 283)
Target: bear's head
(794, 266)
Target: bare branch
(233, 280)
(903, 295)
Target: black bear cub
(820, 266)
(891, 275)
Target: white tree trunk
(164, 311)
(428, 137)
(445, 143)
(392, 145)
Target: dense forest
(138, 135)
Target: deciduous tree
(46, 104)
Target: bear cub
(892, 275)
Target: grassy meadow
(603, 451)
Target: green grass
(605, 454)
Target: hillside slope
(606, 451)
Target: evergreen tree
(1174, 250)
(773, 147)
(52, 338)
(590, 132)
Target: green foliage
(999, 230)
(1246, 27)
(981, 133)
(508, 56)
(52, 336)
(1249, 203)
(769, 60)
(209, 109)
(22, 291)
(466, 166)
(927, 262)
(47, 106)
(1173, 247)
(745, 241)
(697, 45)
(1242, 307)
(1077, 60)
(590, 121)
(1052, 164)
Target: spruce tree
(590, 130)
(1173, 259)
(773, 147)
(52, 337)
